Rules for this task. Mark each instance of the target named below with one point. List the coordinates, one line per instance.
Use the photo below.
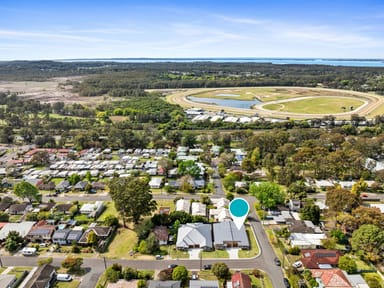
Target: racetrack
(371, 103)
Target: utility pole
(201, 260)
(105, 263)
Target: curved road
(373, 102)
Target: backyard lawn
(123, 242)
(109, 210)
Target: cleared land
(368, 104)
(318, 105)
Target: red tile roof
(311, 258)
(331, 278)
(241, 280)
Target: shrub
(112, 275)
(294, 250)
(130, 273)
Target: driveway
(233, 253)
(194, 253)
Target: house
(5, 203)
(320, 258)
(47, 186)
(75, 234)
(220, 214)
(92, 209)
(220, 202)
(101, 232)
(7, 280)
(226, 235)
(331, 278)
(204, 284)
(163, 284)
(199, 209)
(183, 205)
(41, 231)
(80, 186)
(306, 240)
(63, 186)
(156, 182)
(199, 183)
(164, 210)
(19, 209)
(323, 184)
(46, 206)
(43, 277)
(98, 186)
(60, 236)
(356, 280)
(63, 208)
(194, 235)
(241, 280)
(161, 233)
(22, 228)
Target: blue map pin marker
(239, 208)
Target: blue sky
(106, 29)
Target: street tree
(26, 190)
(180, 273)
(269, 194)
(73, 264)
(132, 197)
(13, 241)
(220, 270)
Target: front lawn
(215, 254)
(18, 271)
(123, 242)
(254, 247)
(72, 284)
(110, 209)
(173, 252)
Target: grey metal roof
(194, 234)
(204, 284)
(74, 235)
(163, 284)
(61, 234)
(227, 231)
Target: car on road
(277, 262)
(207, 267)
(286, 283)
(172, 266)
(159, 257)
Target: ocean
(281, 61)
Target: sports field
(316, 105)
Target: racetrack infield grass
(318, 105)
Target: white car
(297, 264)
(63, 277)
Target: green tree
(368, 241)
(189, 167)
(26, 190)
(92, 238)
(13, 241)
(141, 283)
(269, 194)
(341, 200)
(40, 158)
(347, 264)
(111, 220)
(220, 270)
(359, 187)
(112, 274)
(373, 280)
(74, 178)
(43, 261)
(180, 273)
(4, 217)
(132, 197)
(73, 264)
(311, 212)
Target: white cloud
(16, 34)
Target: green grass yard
(72, 284)
(123, 242)
(109, 210)
(254, 247)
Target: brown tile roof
(311, 258)
(331, 278)
(241, 280)
(161, 233)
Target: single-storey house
(199, 209)
(75, 234)
(63, 186)
(163, 284)
(306, 240)
(320, 258)
(156, 182)
(63, 208)
(226, 235)
(101, 232)
(241, 280)
(294, 205)
(22, 228)
(162, 234)
(183, 205)
(41, 231)
(44, 276)
(19, 209)
(60, 236)
(330, 278)
(92, 209)
(194, 235)
(220, 202)
(80, 186)
(220, 214)
(204, 284)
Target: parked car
(172, 266)
(286, 283)
(159, 257)
(207, 267)
(297, 264)
(195, 275)
(63, 277)
(277, 262)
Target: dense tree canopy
(269, 194)
(26, 190)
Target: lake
(244, 104)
